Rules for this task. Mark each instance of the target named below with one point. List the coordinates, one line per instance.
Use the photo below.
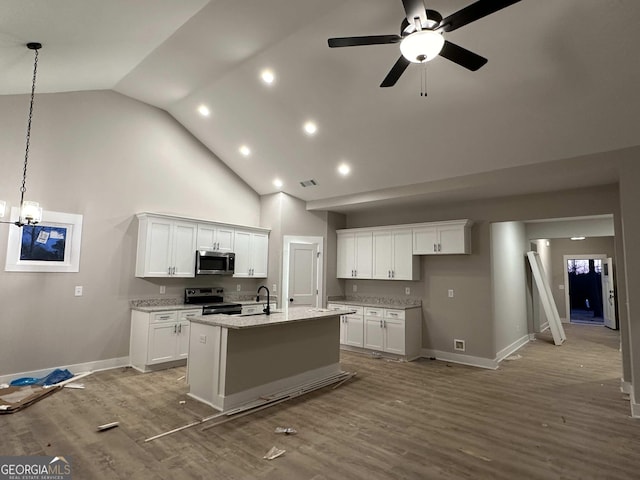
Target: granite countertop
(172, 304)
(278, 317)
(378, 302)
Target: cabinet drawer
(187, 314)
(358, 310)
(335, 306)
(164, 317)
(397, 314)
(373, 312)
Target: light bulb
(422, 46)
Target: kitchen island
(235, 360)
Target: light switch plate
(355, 287)
(163, 289)
(451, 293)
(238, 287)
(407, 291)
(78, 291)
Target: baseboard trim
(459, 358)
(635, 407)
(75, 369)
(514, 347)
(625, 387)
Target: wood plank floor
(556, 412)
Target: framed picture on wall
(53, 245)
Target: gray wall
(509, 290)
(107, 157)
(470, 315)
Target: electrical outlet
(275, 288)
(238, 287)
(451, 293)
(458, 345)
(203, 339)
(561, 287)
(163, 289)
(355, 287)
(407, 291)
(78, 291)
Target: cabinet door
(162, 342)
(343, 329)
(224, 239)
(425, 241)
(182, 339)
(241, 242)
(354, 334)
(158, 249)
(382, 255)
(373, 333)
(346, 256)
(452, 239)
(364, 255)
(259, 254)
(184, 249)
(402, 267)
(206, 237)
(394, 336)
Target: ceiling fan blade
(356, 41)
(462, 56)
(474, 12)
(413, 9)
(396, 71)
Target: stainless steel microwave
(215, 263)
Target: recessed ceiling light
(344, 169)
(310, 128)
(204, 110)
(244, 150)
(278, 183)
(577, 238)
(267, 77)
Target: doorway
(585, 303)
(302, 271)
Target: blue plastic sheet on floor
(54, 377)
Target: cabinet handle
(439, 247)
(175, 329)
(180, 328)
(388, 273)
(384, 324)
(435, 247)
(380, 323)
(393, 274)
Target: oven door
(214, 263)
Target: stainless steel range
(212, 301)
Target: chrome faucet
(267, 309)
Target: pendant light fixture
(30, 212)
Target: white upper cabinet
(252, 253)
(215, 238)
(393, 256)
(166, 247)
(442, 238)
(355, 255)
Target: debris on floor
(13, 399)
(286, 430)
(275, 452)
(108, 426)
(474, 454)
(79, 386)
(54, 377)
(514, 357)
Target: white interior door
(608, 295)
(303, 274)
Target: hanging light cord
(23, 188)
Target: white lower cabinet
(393, 331)
(159, 337)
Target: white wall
(509, 289)
(107, 157)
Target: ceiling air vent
(309, 183)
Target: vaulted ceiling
(559, 90)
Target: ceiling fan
(421, 36)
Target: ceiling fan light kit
(421, 36)
(422, 46)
